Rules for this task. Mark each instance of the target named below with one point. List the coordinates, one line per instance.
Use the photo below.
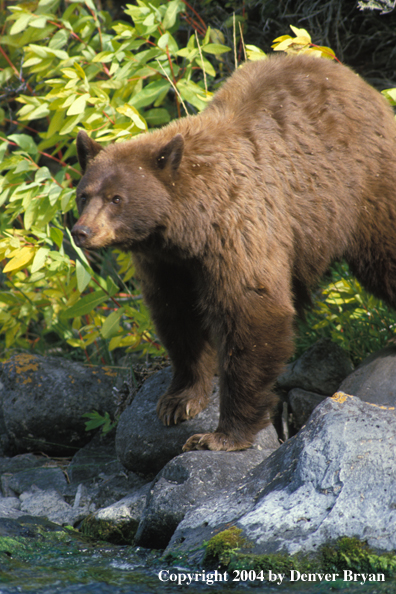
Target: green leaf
(83, 276)
(173, 9)
(56, 236)
(42, 174)
(193, 93)
(111, 287)
(38, 22)
(39, 259)
(21, 23)
(70, 124)
(112, 324)
(205, 65)
(149, 93)
(78, 106)
(96, 420)
(132, 113)
(157, 117)
(77, 249)
(85, 305)
(40, 112)
(254, 53)
(25, 142)
(215, 48)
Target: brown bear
(233, 214)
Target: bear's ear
(170, 155)
(87, 149)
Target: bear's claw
(217, 442)
(175, 408)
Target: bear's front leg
(256, 341)
(191, 384)
(170, 292)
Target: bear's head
(125, 195)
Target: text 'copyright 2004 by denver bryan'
(214, 577)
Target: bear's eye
(83, 198)
(116, 199)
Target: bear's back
(300, 91)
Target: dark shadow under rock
(302, 404)
(98, 456)
(320, 369)
(96, 467)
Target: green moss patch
(347, 554)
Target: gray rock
(29, 527)
(335, 478)
(46, 478)
(112, 488)
(375, 378)
(104, 477)
(51, 505)
(12, 473)
(185, 482)
(21, 462)
(98, 456)
(302, 404)
(118, 523)
(10, 507)
(44, 399)
(145, 445)
(320, 369)
(4, 440)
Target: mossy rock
(342, 555)
(120, 533)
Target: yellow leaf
(20, 258)
(312, 52)
(302, 40)
(281, 38)
(326, 52)
(300, 33)
(283, 45)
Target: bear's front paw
(217, 442)
(180, 406)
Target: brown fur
(233, 214)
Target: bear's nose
(80, 234)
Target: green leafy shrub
(65, 70)
(349, 315)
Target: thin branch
(196, 14)
(234, 37)
(174, 87)
(203, 65)
(243, 42)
